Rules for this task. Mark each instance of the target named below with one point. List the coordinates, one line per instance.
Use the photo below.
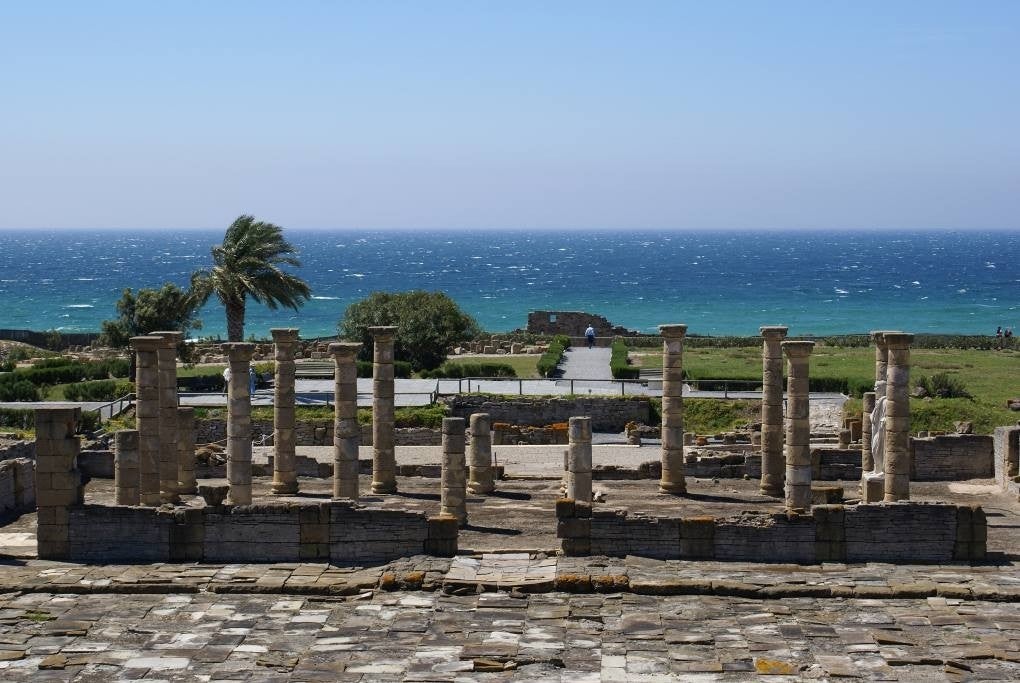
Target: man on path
(589, 334)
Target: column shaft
(346, 430)
(672, 481)
(773, 462)
(125, 466)
(897, 433)
(186, 480)
(798, 426)
(867, 406)
(239, 423)
(147, 417)
(384, 461)
(168, 451)
(481, 477)
(453, 492)
(284, 443)
(57, 483)
(579, 459)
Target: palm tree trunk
(235, 321)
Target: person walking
(589, 334)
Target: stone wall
(1006, 459)
(573, 323)
(17, 449)
(17, 487)
(312, 433)
(952, 458)
(338, 532)
(607, 414)
(903, 532)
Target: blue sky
(674, 115)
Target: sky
(504, 115)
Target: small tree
(167, 308)
(428, 323)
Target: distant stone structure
(573, 324)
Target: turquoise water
(717, 283)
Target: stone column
(284, 467)
(384, 459)
(881, 355)
(168, 453)
(867, 406)
(672, 480)
(773, 463)
(57, 482)
(239, 423)
(579, 459)
(125, 466)
(453, 493)
(798, 425)
(147, 416)
(480, 475)
(897, 417)
(186, 481)
(346, 430)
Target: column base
(384, 487)
(672, 488)
(285, 488)
(772, 492)
(477, 489)
(873, 488)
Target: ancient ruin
(284, 474)
(773, 463)
(798, 425)
(384, 462)
(672, 409)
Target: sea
(718, 283)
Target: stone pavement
(420, 636)
(580, 362)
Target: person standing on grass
(589, 334)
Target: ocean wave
(79, 306)
(327, 298)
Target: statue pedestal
(873, 487)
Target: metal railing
(116, 407)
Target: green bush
(401, 368)
(458, 370)
(55, 371)
(17, 389)
(7, 366)
(99, 390)
(551, 359)
(943, 385)
(619, 364)
(561, 339)
(24, 418)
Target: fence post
(520, 387)
(571, 386)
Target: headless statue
(878, 431)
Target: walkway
(584, 363)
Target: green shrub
(619, 364)
(561, 339)
(24, 418)
(943, 385)
(401, 369)
(458, 370)
(7, 366)
(17, 389)
(99, 390)
(551, 359)
(59, 371)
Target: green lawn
(991, 377)
(526, 366)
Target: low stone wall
(952, 458)
(512, 435)
(902, 532)
(338, 532)
(312, 433)
(17, 449)
(17, 487)
(607, 414)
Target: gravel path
(585, 363)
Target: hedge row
(100, 390)
(551, 359)
(457, 370)
(48, 373)
(24, 418)
(619, 364)
(921, 341)
(401, 369)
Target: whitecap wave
(79, 306)
(327, 298)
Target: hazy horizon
(524, 116)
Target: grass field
(526, 366)
(991, 377)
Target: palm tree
(248, 264)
